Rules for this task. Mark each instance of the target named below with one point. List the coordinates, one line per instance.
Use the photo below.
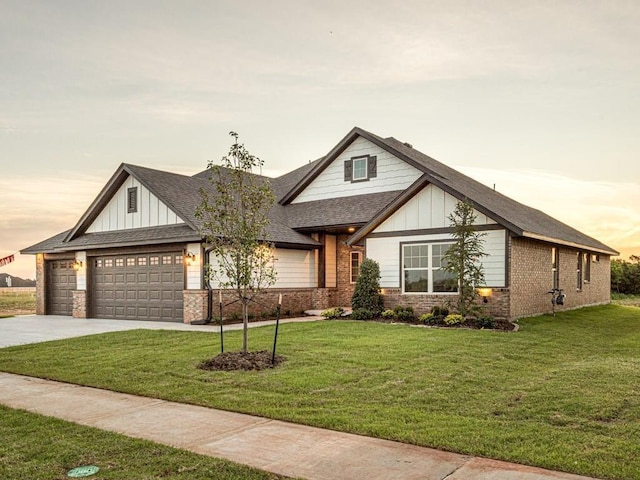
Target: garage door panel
(139, 287)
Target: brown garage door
(138, 287)
(61, 281)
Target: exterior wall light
(190, 258)
(77, 265)
(484, 292)
(351, 229)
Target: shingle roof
(289, 220)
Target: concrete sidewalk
(271, 445)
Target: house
(136, 252)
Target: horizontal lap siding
(392, 174)
(295, 269)
(386, 251)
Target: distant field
(628, 300)
(17, 301)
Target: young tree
(366, 300)
(234, 220)
(463, 257)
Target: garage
(146, 286)
(61, 282)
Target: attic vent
(132, 200)
(407, 144)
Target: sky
(540, 98)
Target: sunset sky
(540, 98)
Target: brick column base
(194, 305)
(79, 304)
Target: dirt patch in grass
(230, 361)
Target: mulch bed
(231, 361)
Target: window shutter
(373, 167)
(348, 170)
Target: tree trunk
(245, 322)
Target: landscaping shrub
(404, 314)
(486, 322)
(388, 314)
(430, 319)
(453, 319)
(363, 314)
(332, 313)
(366, 294)
(439, 311)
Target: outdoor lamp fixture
(190, 258)
(484, 292)
(77, 265)
(351, 229)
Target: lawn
(39, 447)
(562, 393)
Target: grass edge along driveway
(562, 393)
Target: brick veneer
(497, 304)
(531, 278)
(345, 287)
(79, 304)
(194, 306)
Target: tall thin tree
(463, 258)
(234, 216)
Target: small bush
(486, 322)
(332, 313)
(388, 314)
(404, 314)
(453, 319)
(363, 314)
(439, 311)
(426, 318)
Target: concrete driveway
(25, 329)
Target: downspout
(205, 279)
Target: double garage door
(138, 287)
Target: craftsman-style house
(136, 253)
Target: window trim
(555, 267)
(586, 268)
(132, 199)
(358, 254)
(430, 269)
(579, 272)
(370, 170)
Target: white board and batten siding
(295, 269)
(194, 268)
(430, 208)
(151, 212)
(386, 251)
(392, 174)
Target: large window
(356, 259)
(423, 269)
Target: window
(108, 263)
(360, 169)
(166, 259)
(142, 261)
(579, 272)
(555, 267)
(131, 262)
(423, 269)
(586, 261)
(132, 200)
(119, 262)
(154, 260)
(355, 266)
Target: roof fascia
(326, 161)
(413, 190)
(580, 246)
(101, 201)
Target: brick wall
(531, 278)
(497, 304)
(79, 303)
(345, 287)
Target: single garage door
(138, 287)
(61, 282)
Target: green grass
(625, 299)
(562, 393)
(44, 448)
